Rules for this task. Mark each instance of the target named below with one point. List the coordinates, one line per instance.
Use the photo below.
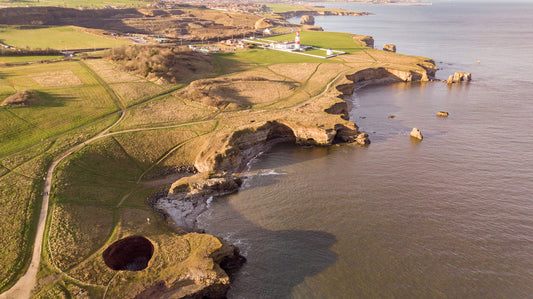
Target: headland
(137, 139)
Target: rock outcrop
(312, 28)
(307, 20)
(263, 23)
(461, 76)
(450, 79)
(241, 145)
(389, 48)
(442, 114)
(384, 75)
(458, 77)
(415, 133)
(22, 98)
(365, 39)
(363, 139)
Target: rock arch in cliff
(280, 131)
(132, 254)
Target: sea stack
(307, 20)
(415, 133)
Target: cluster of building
(231, 5)
(293, 46)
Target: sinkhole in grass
(131, 254)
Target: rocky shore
(219, 166)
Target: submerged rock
(415, 133)
(442, 113)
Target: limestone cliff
(238, 147)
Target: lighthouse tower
(297, 40)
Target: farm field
(59, 38)
(147, 136)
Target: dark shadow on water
(263, 176)
(277, 260)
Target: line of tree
(28, 52)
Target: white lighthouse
(297, 41)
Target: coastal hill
(111, 151)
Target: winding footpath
(23, 287)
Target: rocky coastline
(220, 168)
(299, 13)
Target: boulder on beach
(389, 48)
(415, 133)
(442, 113)
(307, 20)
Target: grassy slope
(60, 38)
(20, 190)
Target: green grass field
(67, 91)
(59, 38)
(242, 60)
(334, 40)
(73, 3)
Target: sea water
(451, 216)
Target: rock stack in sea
(415, 133)
(459, 77)
(307, 20)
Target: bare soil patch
(57, 79)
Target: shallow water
(451, 216)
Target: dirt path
(23, 287)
